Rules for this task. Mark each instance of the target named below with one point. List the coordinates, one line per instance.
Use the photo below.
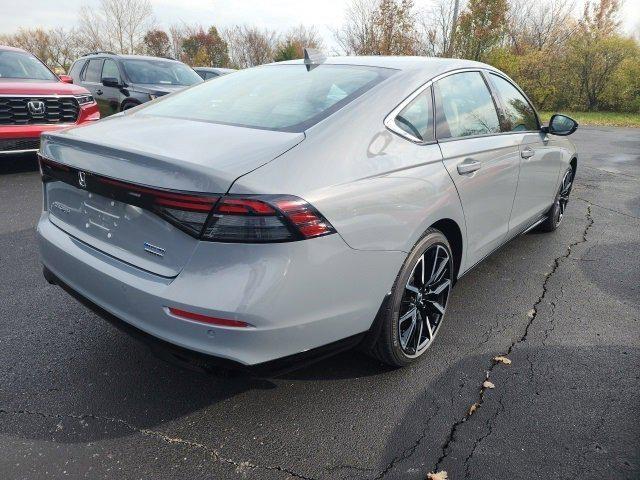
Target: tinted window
(465, 106)
(160, 72)
(23, 65)
(519, 114)
(416, 118)
(210, 75)
(92, 72)
(110, 70)
(76, 68)
(277, 97)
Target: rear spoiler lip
(161, 172)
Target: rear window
(273, 97)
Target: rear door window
(416, 119)
(518, 112)
(93, 70)
(465, 106)
(110, 70)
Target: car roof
(214, 69)
(12, 49)
(429, 65)
(127, 57)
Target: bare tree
(249, 46)
(358, 34)
(539, 25)
(436, 24)
(118, 25)
(382, 27)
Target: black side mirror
(561, 125)
(111, 82)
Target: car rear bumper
(297, 296)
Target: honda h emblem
(82, 180)
(36, 107)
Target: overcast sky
(275, 14)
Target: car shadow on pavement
(27, 162)
(543, 419)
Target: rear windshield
(273, 97)
(23, 65)
(160, 72)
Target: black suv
(119, 82)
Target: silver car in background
(295, 209)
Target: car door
(91, 78)
(482, 162)
(110, 99)
(540, 162)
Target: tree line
(562, 60)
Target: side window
(110, 70)
(519, 115)
(75, 69)
(465, 106)
(416, 118)
(92, 72)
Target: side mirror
(561, 125)
(111, 82)
(65, 78)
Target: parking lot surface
(78, 399)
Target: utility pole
(454, 23)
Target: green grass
(605, 119)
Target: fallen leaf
(488, 384)
(442, 475)
(473, 408)
(531, 313)
(501, 359)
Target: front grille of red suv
(16, 111)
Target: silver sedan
(295, 209)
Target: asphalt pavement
(78, 399)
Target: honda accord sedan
(295, 209)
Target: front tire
(417, 303)
(557, 210)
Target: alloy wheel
(424, 300)
(563, 196)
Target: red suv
(34, 100)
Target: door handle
(98, 92)
(469, 166)
(527, 153)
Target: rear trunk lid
(180, 156)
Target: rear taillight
(226, 218)
(266, 218)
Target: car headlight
(84, 99)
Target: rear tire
(557, 210)
(416, 307)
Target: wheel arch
(129, 103)
(452, 231)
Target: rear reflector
(198, 317)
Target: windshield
(274, 97)
(23, 65)
(160, 72)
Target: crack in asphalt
(409, 451)
(240, 466)
(489, 424)
(523, 338)
(607, 208)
